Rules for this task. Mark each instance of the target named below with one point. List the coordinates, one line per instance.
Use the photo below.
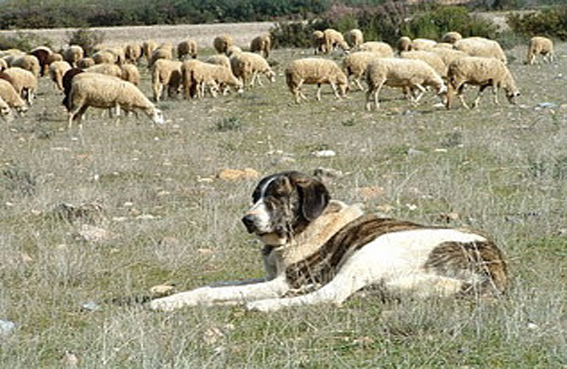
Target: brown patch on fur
(322, 266)
(478, 258)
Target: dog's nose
(248, 221)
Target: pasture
(163, 217)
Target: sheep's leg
(335, 90)
(76, 113)
(372, 96)
(460, 91)
(479, 95)
(421, 90)
(358, 84)
(495, 94)
(318, 96)
(158, 88)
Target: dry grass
(502, 169)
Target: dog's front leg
(232, 294)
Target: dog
(318, 250)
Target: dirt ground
(202, 33)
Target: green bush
(86, 38)
(294, 33)
(23, 41)
(548, 22)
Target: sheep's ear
(313, 196)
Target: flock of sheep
(109, 78)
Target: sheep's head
(511, 95)
(22, 109)
(5, 110)
(271, 75)
(157, 117)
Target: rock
(237, 174)
(69, 360)
(546, 105)
(413, 152)
(91, 306)
(94, 234)
(6, 327)
(324, 154)
(212, 335)
(371, 192)
(162, 290)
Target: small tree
(86, 38)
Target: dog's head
(284, 205)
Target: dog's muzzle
(249, 223)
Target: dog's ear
(313, 195)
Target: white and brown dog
(319, 250)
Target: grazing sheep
(133, 52)
(72, 54)
(164, 51)
(318, 38)
(355, 64)
(378, 47)
(404, 44)
(187, 47)
(57, 70)
(431, 58)
(5, 110)
(219, 59)
(108, 69)
(334, 39)
(261, 44)
(42, 54)
(247, 66)
(54, 57)
(479, 46)
(11, 97)
(451, 37)
(196, 75)
(67, 84)
(233, 50)
(410, 75)
(24, 82)
(315, 71)
(448, 55)
(165, 73)
(539, 46)
(130, 73)
(10, 55)
(148, 48)
(354, 37)
(29, 63)
(104, 57)
(85, 63)
(482, 72)
(421, 44)
(102, 91)
(222, 43)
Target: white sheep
(451, 37)
(334, 39)
(148, 48)
(482, 72)
(233, 50)
(57, 71)
(5, 110)
(29, 63)
(355, 65)
(196, 75)
(85, 63)
(261, 44)
(102, 91)
(165, 73)
(410, 75)
(479, 46)
(53, 57)
(315, 71)
(539, 46)
(378, 47)
(104, 57)
(11, 97)
(318, 39)
(430, 57)
(420, 44)
(164, 51)
(187, 47)
(130, 73)
(404, 44)
(133, 52)
(354, 37)
(443, 45)
(222, 43)
(247, 66)
(105, 68)
(448, 55)
(24, 82)
(219, 59)
(72, 54)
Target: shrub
(23, 41)
(548, 22)
(294, 33)
(86, 38)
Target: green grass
(501, 168)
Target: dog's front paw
(165, 304)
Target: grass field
(168, 219)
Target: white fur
(394, 260)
